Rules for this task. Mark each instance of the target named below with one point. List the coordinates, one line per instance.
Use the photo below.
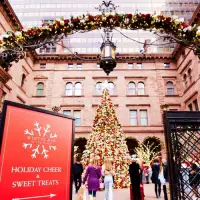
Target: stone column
(4, 78)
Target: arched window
(170, 88)
(190, 74)
(69, 89)
(78, 89)
(140, 88)
(131, 88)
(185, 80)
(98, 87)
(40, 89)
(23, 80)
(111, 88)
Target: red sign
(36, 155)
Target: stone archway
(155, 143)
(132, 144)
(80, 143)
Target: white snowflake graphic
(42, 136)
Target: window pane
(130, 65)
(67, 112)
(111, 87)
(196, 105)
(190, 107)
(140, 88)
(70, 66)
(77, 115)
(42, 66)
(68, 90)
(166, 65)
(143, 118)
(99, 87)
(40, 89)
(170, 88)
(79, 66)
(131, 88)
(133, 117)
(78, 89)
(139, 65)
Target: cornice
(104, 77)
(129, 105)
(96, 105)
(167, 77)
(191, 96)
(40, 78)
(94, 58)
(4, 76)
(38, 105)
(136, 77)
(75, 77)
(73, 105)
(21, 99)
(9, 14)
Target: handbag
(161, 178)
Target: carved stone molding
(4, 76)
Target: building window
(139, 65)
(42, 66)
(77, 115)
(170, 88)
(185, 80)
(40, 89)
(130, 65)
(79, 66)
(190, 75)
(196, 106)
(143, 118)
(140, 88)
(69, 89)
(48, 48)
(23, 80)
(67, 112)
(78, 89)
(166, 65)
(70, 66)
(98, 88)
(131, 88)
(133, 117)
(190, 107)
(111, 88)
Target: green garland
(181, 31)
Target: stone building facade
(139, 86)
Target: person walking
(135, 171)
(154, 178)
(162, 179)
(146, 174)
(92, 176)
(108, 173)
(77, 173)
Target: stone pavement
(124, 194)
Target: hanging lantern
(108, 62)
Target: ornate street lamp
(107, 59)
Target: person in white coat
(108, 173)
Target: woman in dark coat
(154, 178)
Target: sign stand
(36, 154)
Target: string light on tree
(107, 140)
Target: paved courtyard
(124, 194)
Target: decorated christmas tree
(107, 140)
